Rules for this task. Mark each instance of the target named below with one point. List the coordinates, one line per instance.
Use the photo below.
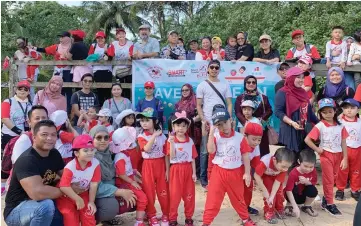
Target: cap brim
(344, 103)
(187, 119)
(220, 120)
(139, 115)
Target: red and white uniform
(267, 170)
(63, 145)
(53, 50)
(181, 184)
(337, 49)
(123, 166)
(203, 55)
(153, 173)
(353, 142)
(294, 180)
(96, 49)
(214, 56)
(122, 52)
(227, 177)
(330, 137)
(73, 173)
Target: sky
(70, 3)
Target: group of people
(80, 162)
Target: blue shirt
(191, 55)
(155, 104)
(151, 46)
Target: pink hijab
(64, 46)
(54, 97)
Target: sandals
(309, 211)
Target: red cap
(81, 34)
(119, 30)
(83, 141)
(297, 32)
(23, 83)
(254, 129)
(100, 34)
(149, 84)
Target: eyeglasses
(23, 89)
(88, 81)
(185, 90)
(100, 138)
(214, 67)
(251, 82)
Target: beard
(144, 36)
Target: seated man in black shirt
(32, 190)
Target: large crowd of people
(87, 156)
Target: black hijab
(251, 95)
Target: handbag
(271, 132)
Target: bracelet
(16, 130)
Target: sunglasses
(214, 67)
(23, 89)
(251, 82)
(100, 138)
(185, 90)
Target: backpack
(6, 164)
(307, 46)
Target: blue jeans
(204, 161)
(34, 213)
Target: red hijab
(295, 96)
(187, 104)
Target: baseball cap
(123, 137)
(294, 71)
(23, 83)
(64, 34)
(351, 102)
(326, 102)
(248, 103)
(100, 34)
(82, 141)
(218, 39)
(180, 115)
(59, 117)
(254, 129)
(306, 59)
(173, 32)
(144, 26)
(265, 36)
(148, 113)
(219, 114)
(105, 112)
(282, 64)
(123, 114)
(297, 32)
(149, 84)
(79, 33)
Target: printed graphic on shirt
(49, 177)
(86, 102)
(181, 155)
(331, 140)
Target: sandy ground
(227, 216)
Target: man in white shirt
(207, 98)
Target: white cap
(59, 117)
(248, 103)
(105, 112)
(123, 114)
(123, 137)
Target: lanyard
(24, 111)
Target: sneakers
(165, 221)
(173, 223)
(332, 209)
(340, 195)
(252, 211)
(188, 222)
(249, 222)
(324, 203)
(355, 195)
(154, 221)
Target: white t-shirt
(228, 151)
(354, 132)
(20, 146)
(340, 48)
(211, 98)
(254, 120)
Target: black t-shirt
(29, 164)
(245, 50)
(279, 85)
(269, 56)
(84, 100)
(79, 51)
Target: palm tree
(113, 14)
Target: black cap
(219, 114)
(64, 34)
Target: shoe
(280, 214)
(154, 221)
(332, 209)
(253, 211)
(188, 222)
(340, 195)
(355, 195)
(165, 221)
(270, 218)
(173, 223)
(324, 203)
(249, 222)
(205, 187)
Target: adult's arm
(315, 55)
(199, 108)
(229, 106)
(268, 108)
(247, 53)
(21, 145)
(5, 117)
(238, 110)
(75, 104)
(37, 191)
(313, 117)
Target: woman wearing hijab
(336, 88)
(50, 97)
(245, 50)
(106, 201)
(262, 111)
(292, 107)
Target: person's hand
(76, 188)
(171, 139)
(265, 194)
(129, 197)
(105, 58)
(158, 133)
(138, 180)
(137, 174)
(344, 164)
(92, 208)
(79, 203)
(342, 65)
(296, 211)
(167, 52)
(233, 61)
(136, 185)
(349, 64)
(328, 64)
(82, 112)
(296, 126)
(355, 57)
(247, 178)
(303, 180)
(30, 80)
(270, 200)
(212, 129)
(319, 151)
(167, 175)
(194, 177)
(181, 58)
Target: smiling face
(101, 141)
(206, 44)
(251, 84)
(180, 128)
(335, 77)
(92, 113)
(121, 35)
(186, 91)
(85, 154)
(55, 86)
(299, 81)
(149, 91)
(282, 166)
(282, 71)
(213, 70)
(100, 41)
(240, 39)
(265, 44)
(22, 92)
(45, 138)
(303, 66)
(116, 91)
